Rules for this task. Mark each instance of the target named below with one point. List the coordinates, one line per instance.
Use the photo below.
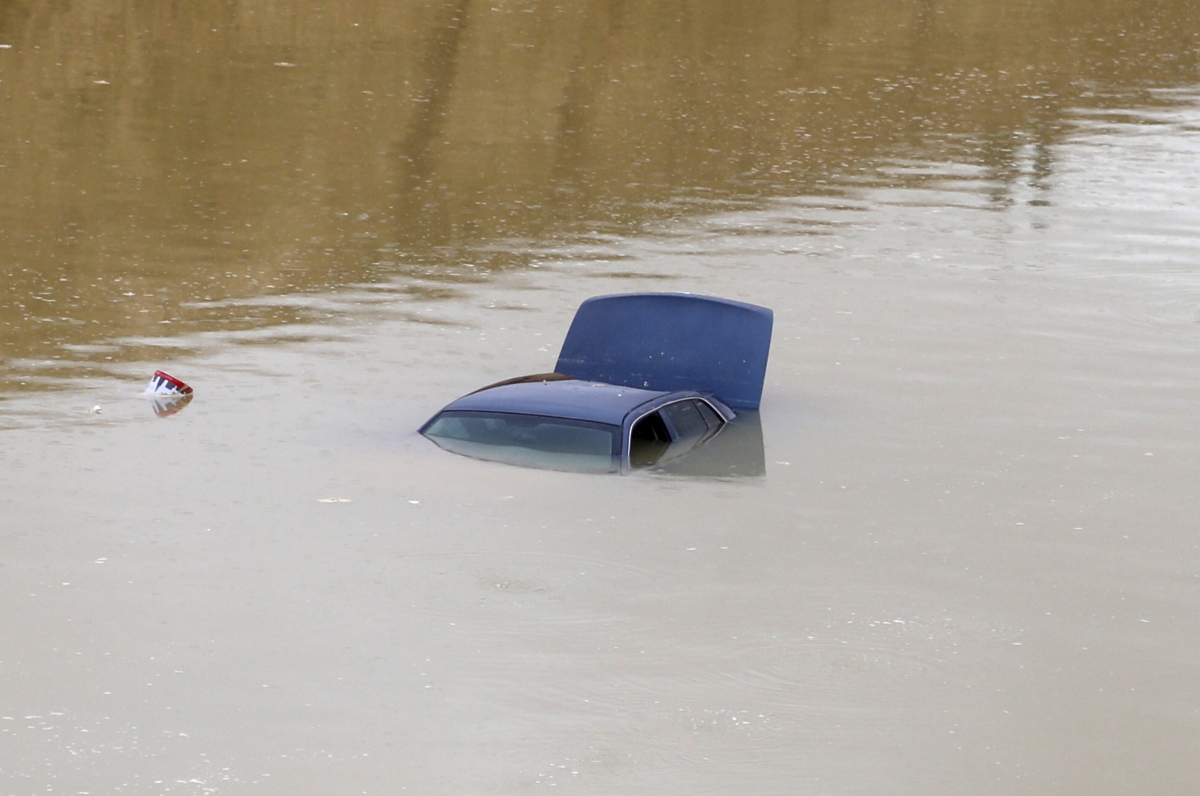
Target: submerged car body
(642, 379)
(567, 424)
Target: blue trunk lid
(671, 341)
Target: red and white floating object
(168, 395)
(164, 383)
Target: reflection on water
(167, 172)
(736, 452)
(167, 405)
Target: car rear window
(531, 440)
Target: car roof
(571, 399)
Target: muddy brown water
(971, 564)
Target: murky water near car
(970, 565)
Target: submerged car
(642, 379)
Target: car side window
(671, 432)
(648, 440)
(714, 420)
(688, 419)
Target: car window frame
(641, 412)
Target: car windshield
(530, 440)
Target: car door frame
(650, 407)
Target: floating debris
(168, 394)
(163, 383)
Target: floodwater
(971, 565)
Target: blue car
(642, 379)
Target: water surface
(970, 564)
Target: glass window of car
(672, 431)
(686, 419)
(710, 415)
(648, 440)
(530, 440)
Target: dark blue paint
(671, 341)
(575, 400)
